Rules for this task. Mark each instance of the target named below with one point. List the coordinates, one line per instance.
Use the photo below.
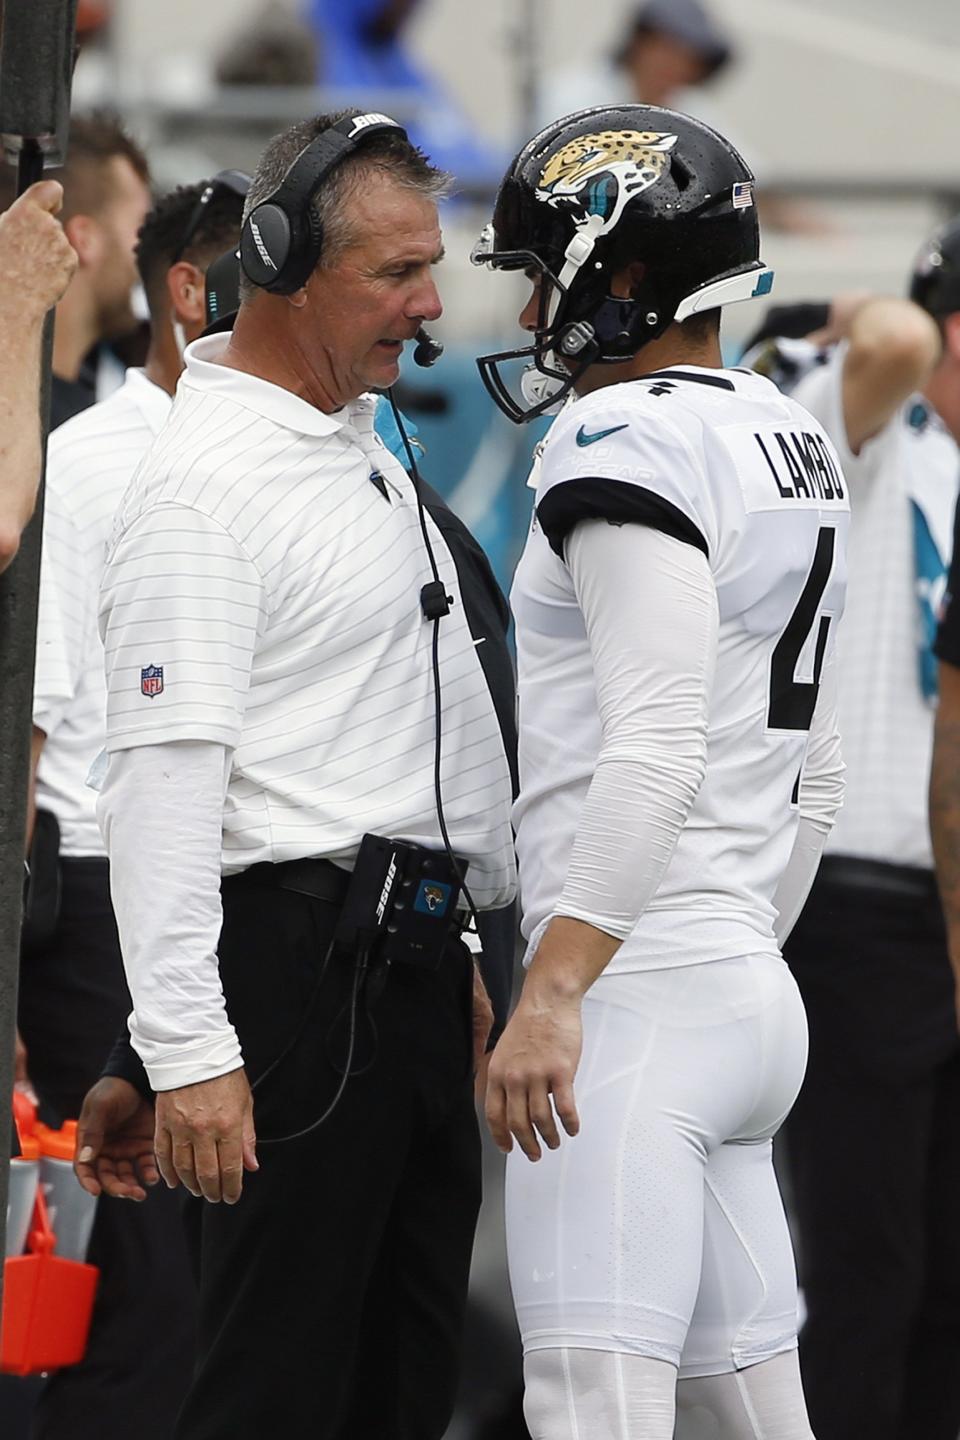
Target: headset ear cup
(266, 242)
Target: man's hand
(536, 1057)
(538, 1053)
(205, 1136)
(38, 260)
(115, 1141)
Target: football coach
(307, 789)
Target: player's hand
(482, 1018)
(205, 1136)
(36, 257)
(114, 1151)
(536, 1058)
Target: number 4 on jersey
(792, 701)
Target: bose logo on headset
(262, 250)
(360, 122)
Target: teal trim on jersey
(930, 581)
(386, 428)
(584, 438)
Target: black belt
(895, 882)
(320, 879)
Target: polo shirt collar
(151, 400)
(273, 402)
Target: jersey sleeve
(181, 609)
(821, 393)
(947, 643)
(65, 610)
(624, 464)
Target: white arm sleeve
(821, 795)
(161, 813)
(650, 608)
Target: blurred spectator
(670, 47)
(362, 50)
(273, 49)
(667, 50)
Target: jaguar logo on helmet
(599, 174)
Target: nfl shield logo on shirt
(151, 681)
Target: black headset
(282, 237)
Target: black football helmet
(592, 193)
(935, 283)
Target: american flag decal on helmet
(742, 194)
(151, 681)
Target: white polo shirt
(90, 461)
(261, 592)
(886, 722)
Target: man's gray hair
(389, 153)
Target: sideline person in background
(105, 198)
(873, 1142)
(37, 261)
(73, 997)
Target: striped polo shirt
(90, 461)
(262, 590)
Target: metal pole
(19, 589)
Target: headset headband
(282, 237)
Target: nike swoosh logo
(585, 438)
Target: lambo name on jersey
(721, 460)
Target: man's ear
(86, 237)
(185, 292)
(951, 335)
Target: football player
(676, 609)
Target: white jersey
(262, 591)
(721, 460)
(903, 494)
(90, 460)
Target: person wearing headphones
(72, 996)
(38, 262)
(307, 788)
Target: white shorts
(659, 1229)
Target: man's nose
(530, 313)
(426, 303)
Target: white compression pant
(595, 1395)
(658, 1231)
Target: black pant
(333, 1293)
(874, 1150)
(73, 1001)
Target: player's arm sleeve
(161, 813)
(181, 608)
(650, 607)
(628, 466)
(820, 798)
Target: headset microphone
(428, 350)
